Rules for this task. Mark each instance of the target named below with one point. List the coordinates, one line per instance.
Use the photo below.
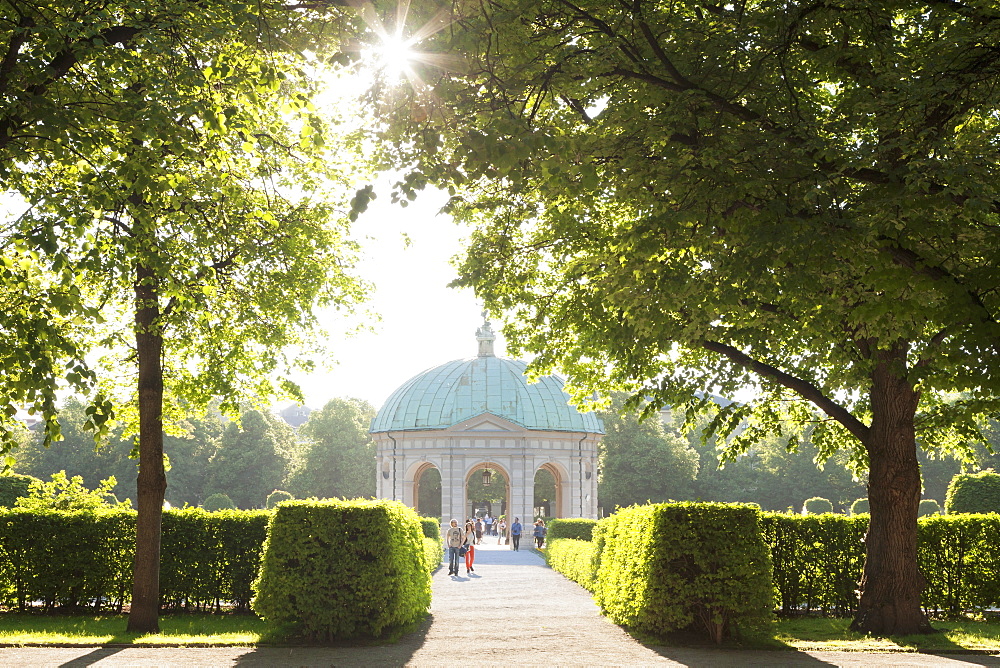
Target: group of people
(462, 541)
(490, 526)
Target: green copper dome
(448, 394)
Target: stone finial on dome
(486, 337)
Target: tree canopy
(338, 458)
(640, 461)
(796, 199)
(176, 182)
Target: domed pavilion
(480, 417)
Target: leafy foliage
(817, 505)
(575, 558)
(859, 506)
(928, 507)
(173, 219)
(667, 567)
(276, 497)
(13, 486)
(83, 559)
(252, 458)
(218, 501)
(578, 528)
(640, 461)
(340, 569)
(339, 457)
(974, 493)
(678, 200)
(64, 493)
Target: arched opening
(548, 493)
(486, 492)
(427, 491)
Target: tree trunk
(152, 480)
(891, 584)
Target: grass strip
(834, 635)
(803, 634)
(175, 629)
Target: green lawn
(833, 634)
(176, 629)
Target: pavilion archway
(427, 490)
(550, 492)
(487, 489)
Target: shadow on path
(92, 657)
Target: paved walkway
(513, 610)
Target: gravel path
(513, 610)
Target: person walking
(470, 544)
(488, 521)
(453, 539)
(539, 532)
(501, 530)
(479, 530)
(515, 533)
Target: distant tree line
(329, 455)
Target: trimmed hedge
(928, 507)
(860, 506)
(958, 556)
(276, 497)
(217, 502)
(817, 505)
(576, 559)
(667, 567)
(83, 559)
(342, 568)
(431, 526)
(817, 560)
(433, 542)
(973, 493)
(208, 557)
(66, 559)
(578, 528)
(432, 554)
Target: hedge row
(207, 558)
(66, 559)
(576, 559)
(578, 528)
(431, 526)
(818, 561)
(340, 569)
(83, 559)
(672, 566)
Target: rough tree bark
(152, 481)
(891, 584)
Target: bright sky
(424, 323)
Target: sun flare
(394, 57)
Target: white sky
(423, 323)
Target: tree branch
(803, 388)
